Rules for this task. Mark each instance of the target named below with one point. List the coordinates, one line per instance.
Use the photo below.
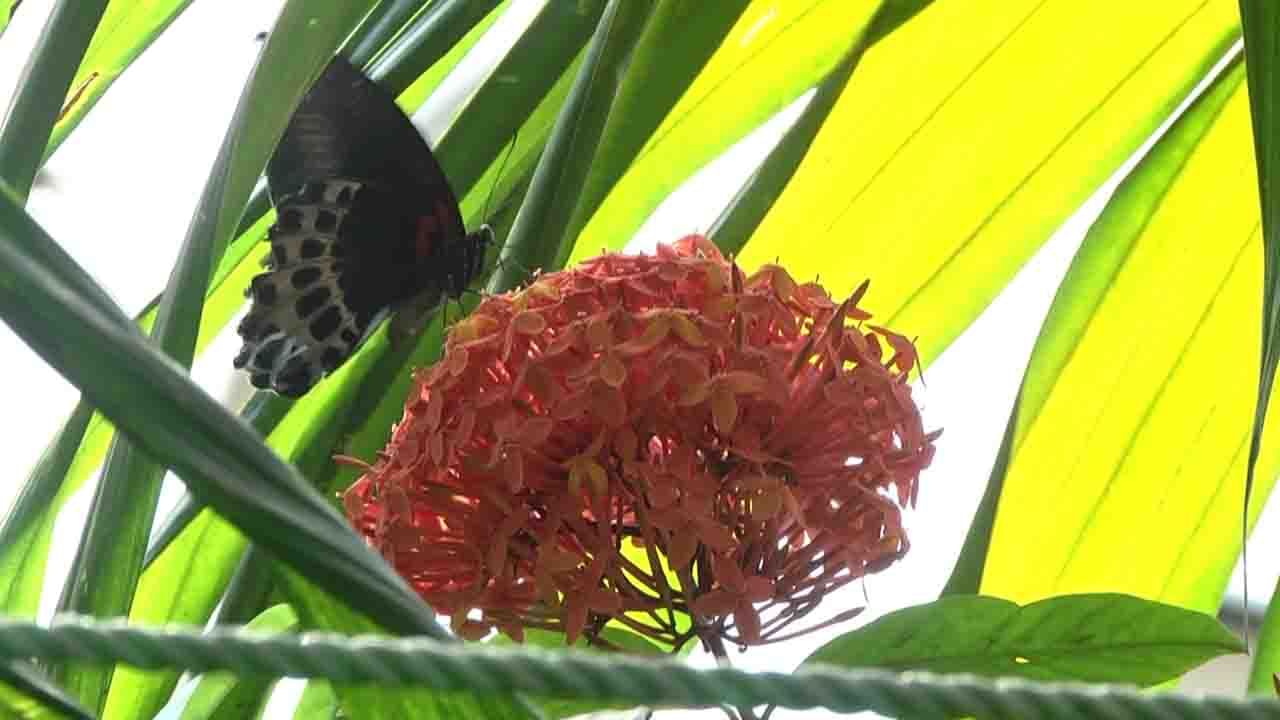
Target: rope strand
(570, 673)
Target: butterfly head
(468, 262)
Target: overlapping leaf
(44, 81)
(775, 51)
(1133, 422)
(970, 134)
(128, 27)
(227, 695)
(1083, 638)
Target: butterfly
(366, 224)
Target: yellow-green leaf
(127, 28)
(775, 51)
(1127, 457)
(969, 135)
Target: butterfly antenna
(511, 146)
(484, 213)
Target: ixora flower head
(656, 440)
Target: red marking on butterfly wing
(428, 227)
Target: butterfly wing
(365, 220)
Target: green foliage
(943, 144)
(1087, 638)
(44, 82)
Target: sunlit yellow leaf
(969, 134)
(774, 53)
(1128, 458)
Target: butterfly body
(366, 223)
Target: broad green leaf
(537, 239)
(319, 610)
(128, 27)
(1260, 21)
(678, 39)
(1085, 638)
(971, 133)
(775, 52)
(42, 85)
(318, 702)
(227, 695)
(1263, 679)
(1127, 450)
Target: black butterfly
(366, 223)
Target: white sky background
(121, 160)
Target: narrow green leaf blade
(318, 702)
(175, 421)
(537, 239)
(675, 44)
(188, 580)
(227, 695)
(747, 209)
(427, 39)
(21, 524)
(319, 610)
(521, 80)
(1101, 637)
(1260, 21)
(109, 561)
(128, 27)
(1266, 661)
(41, 87)
(6, 12)
(380, 26)
(21, 679)
(775, 52)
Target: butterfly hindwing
(366, 222)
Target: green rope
(576, 674)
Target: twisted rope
(570, 673)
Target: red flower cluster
(654, 440)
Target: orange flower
(644, 437)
